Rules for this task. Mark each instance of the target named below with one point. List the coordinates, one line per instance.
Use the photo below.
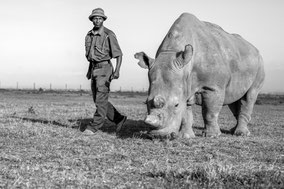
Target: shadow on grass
(135, 128)
(130, 129)
(42, 121)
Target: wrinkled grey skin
(199, 63)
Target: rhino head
(169, 75)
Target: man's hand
(114, 75)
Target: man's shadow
(130, 129)
(43, 121)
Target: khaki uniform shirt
(101, 45)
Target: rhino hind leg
(186, 130)
(242, 110)
(241, 128)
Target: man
(101, 46)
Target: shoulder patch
(108, 31)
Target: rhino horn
(144, 60)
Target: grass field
(41, 147)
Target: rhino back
(242, 59)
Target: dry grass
(40, 146)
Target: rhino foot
(187, 135)
(211, 134)
(241, 131)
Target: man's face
(97, 21)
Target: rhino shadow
(135, 129)
(130, 129)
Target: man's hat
(98, 12)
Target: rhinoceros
(200, 63)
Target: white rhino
(200, 63)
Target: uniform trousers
(100, 85)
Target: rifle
(89, 73)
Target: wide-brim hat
(98, 12)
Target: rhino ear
(184, 57)
(144, 60)
(187, 53)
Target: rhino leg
(242, 110)
(212, 102)
(186, 130)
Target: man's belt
(102, 64)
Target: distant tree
(40, 89)
(258, 102)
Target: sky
(42, 41)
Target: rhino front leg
(186, 130)
(212, 102)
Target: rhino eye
(176, 105)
